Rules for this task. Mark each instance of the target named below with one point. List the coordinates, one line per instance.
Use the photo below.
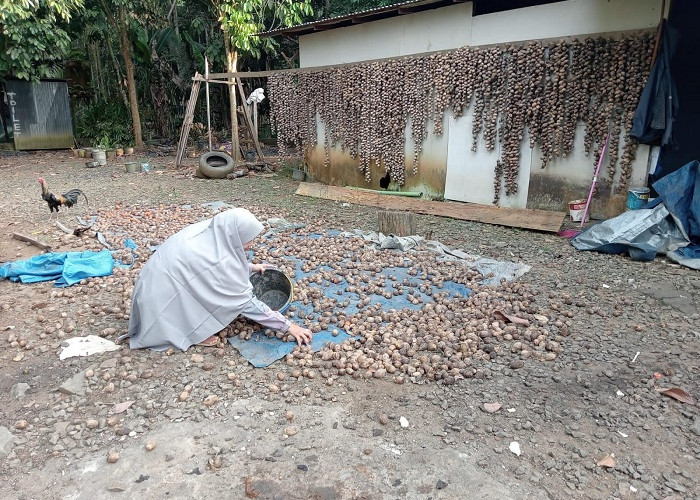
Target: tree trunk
(117, 72)
(397, 223)
(231, 63)
(176, 23)
(96, 71)
(130, 80)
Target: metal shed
(39, 114)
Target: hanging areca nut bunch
(544, 90)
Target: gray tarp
(638, 232)
(492, 270)
(670, 224)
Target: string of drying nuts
(545, 90)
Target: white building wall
(469, 175)
(433, 30)
(562, 19)
(453, 27)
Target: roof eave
(397, 9)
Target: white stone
(19, 390)
(6, 441)
(514, 447)
(404, 422)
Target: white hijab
(195, 284)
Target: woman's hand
(260, 267)
(300, 334)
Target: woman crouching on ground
(197, 282)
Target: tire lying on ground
(216, 164)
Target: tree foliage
(33, 37)
(138, 56)
(334, 8)
(241, 20)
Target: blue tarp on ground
(67, 268)
(670, 224)
(261, 351)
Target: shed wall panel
(41, 115)
(563, 19)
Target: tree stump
(396, 222)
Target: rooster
(66, 199)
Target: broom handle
(595, 179)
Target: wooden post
(249, 122)
(657, 39)
(396, 222)
(206, 75)
(231, 63)
(255, 120)
(187, 120)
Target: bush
(103, 123)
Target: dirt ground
(588, 418)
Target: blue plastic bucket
(637, 198)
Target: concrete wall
(561, 19)
(470, 174)
(344, 170)
(448, 164)
(437, 29)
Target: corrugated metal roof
(40, 111)
(364, 16)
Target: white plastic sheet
(86, 346)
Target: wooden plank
(311, 69)
(248, 121)
(539, 220)
(36, 243)
(187, 120)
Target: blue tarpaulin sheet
(261, 351)
(680, 192)
(67, 268)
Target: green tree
(33, 37)
(241, 20)
(119, 15)
(332, 8)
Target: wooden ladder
(248, 122)
(189, 117)
(187, 121)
